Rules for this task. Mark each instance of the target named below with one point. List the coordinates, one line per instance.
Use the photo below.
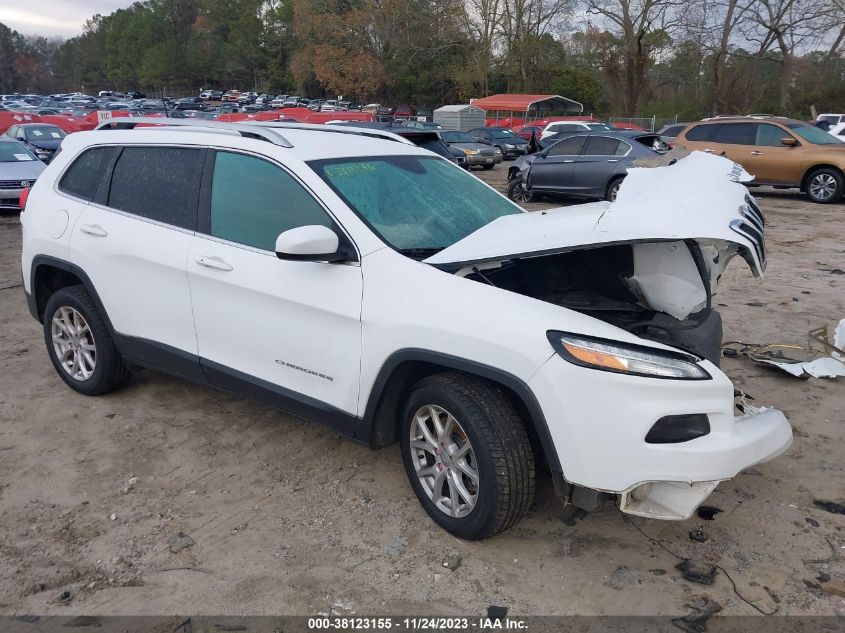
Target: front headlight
(508, 146)
(625, 358)
(470, 152)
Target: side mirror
(788, 141)
(312, 243)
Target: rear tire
(479, 442)
(79, 343)
(518, 192)
(613, 189)
(824, 185)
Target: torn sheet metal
(819, 359)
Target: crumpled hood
(698, 198)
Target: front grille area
(15, 184)
(487, 151)
(752, 226)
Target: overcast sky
(54, 17)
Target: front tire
(518, 192)
(80, 345)
(467, 455)
(825, 185)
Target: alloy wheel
(822, 186)
(521, 194)
(73, 343)
(444, 461)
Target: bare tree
(640, 23)
(522, 23)
(788, 26)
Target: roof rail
(249, 131)
(323, 127)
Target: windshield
(457, 137)
(813, 134)
(503, 134)
(15, 152)
(414, 203)
(45, 132)
(604, 127)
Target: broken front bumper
(765, 431)
(599, 422)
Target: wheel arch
(612, 181)
(812, 168)
(49, 274)
(382, 416)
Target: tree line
(626, 57)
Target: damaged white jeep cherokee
(350, 277)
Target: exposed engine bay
(621, 285)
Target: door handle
(93, 229)
(569, 161)
(214, 262)
(709, 151)
(612, 160)
(756, 153)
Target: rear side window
(737, 133)
(701, 132)
(567, 147)
(253, 201)
(602, 146)
(83, 176)
(158, 183)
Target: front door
(284, 332)
(772, 162)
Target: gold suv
(776, 151)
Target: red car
(528, 130)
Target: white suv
(348, 276)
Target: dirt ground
(286, 518)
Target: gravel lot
(286, 518)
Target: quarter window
(702, 132)
(158, 183)
(83, 177)
(253, 201)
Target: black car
(509, 143)
(42, 139)
(584, 164)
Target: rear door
(596, 163)
(132, 240)
(735, 141)
(552, 169)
